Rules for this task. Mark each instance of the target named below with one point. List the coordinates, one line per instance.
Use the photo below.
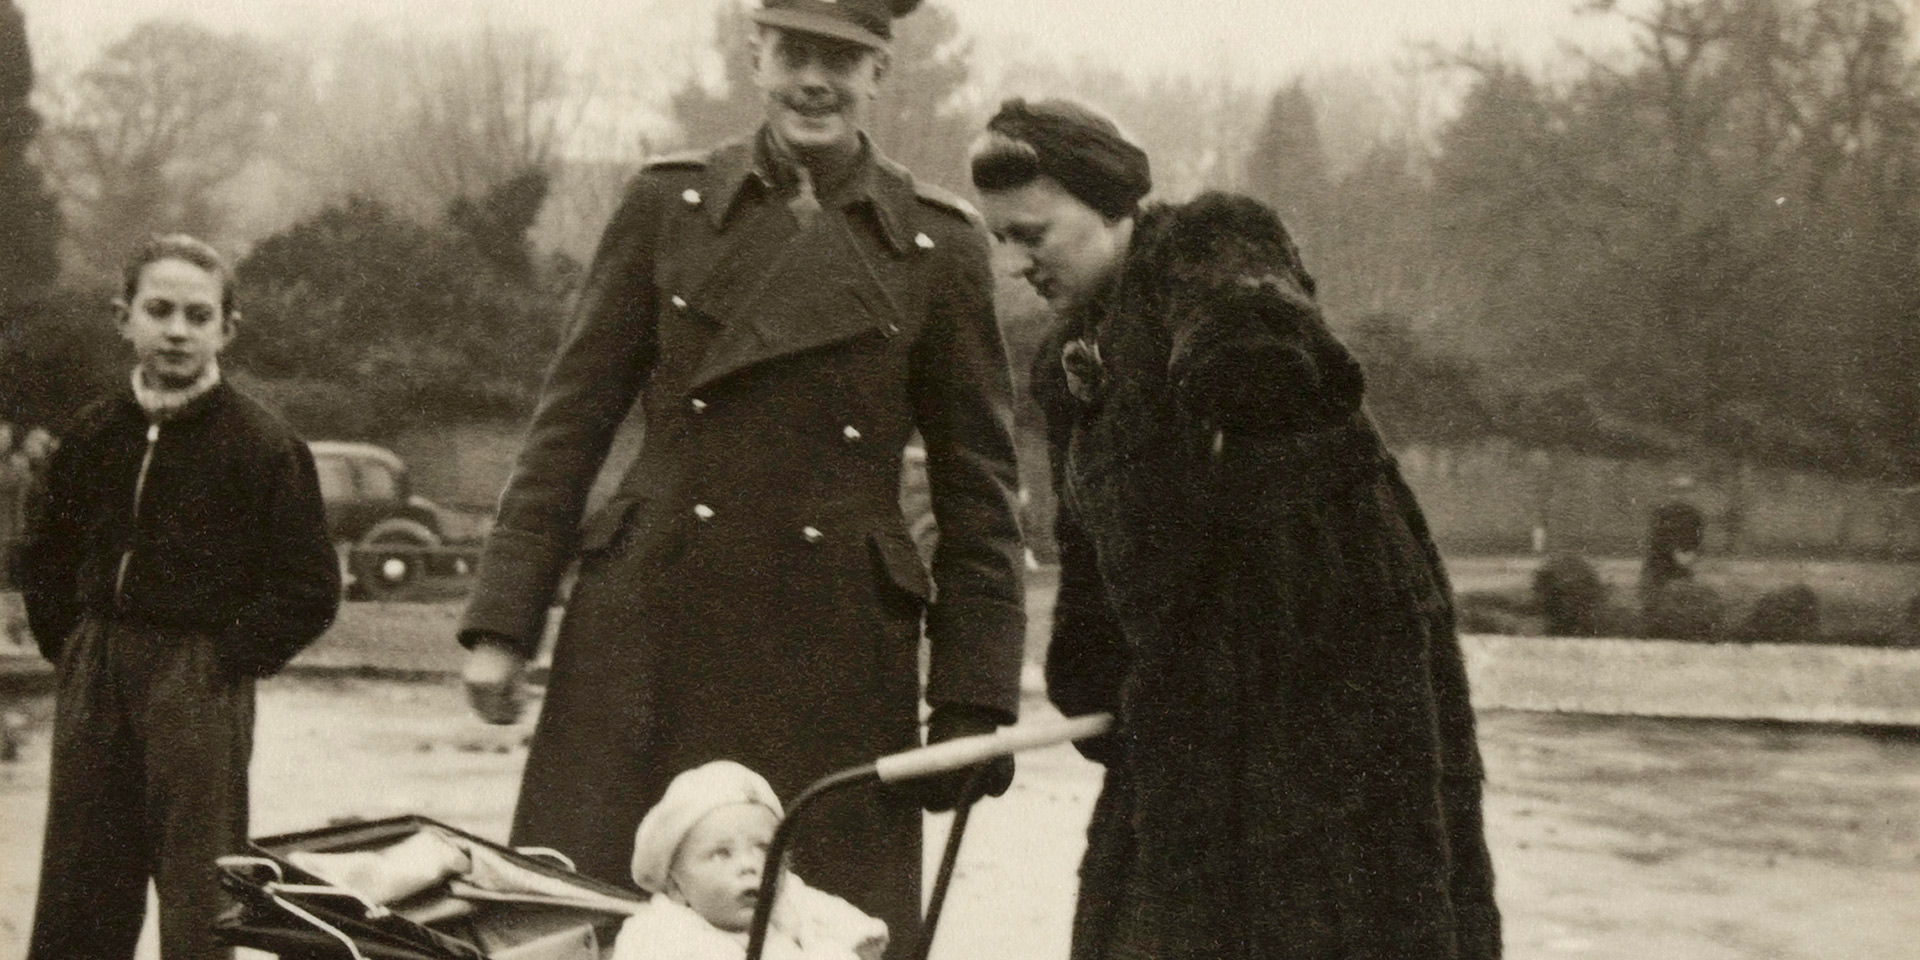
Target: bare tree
(487, 108)
(142, 139)
(424, 122)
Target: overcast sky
(1255, 40)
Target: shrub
(1571, 595)
(1785, 615)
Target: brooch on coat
(1086, 376)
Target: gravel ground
(1614, 837)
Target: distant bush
(361, 322)
(1907, 634)
(59, 351)
(1571, 595)
(1787, 615)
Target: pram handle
(965, 752)
(906, 765)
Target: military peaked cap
(865, 22)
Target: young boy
(700, 852)
(177, 553)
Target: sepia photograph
(949, 479)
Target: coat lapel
(777, 290)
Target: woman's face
(1063, 247)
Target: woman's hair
(1074, 144)
(179, 246)
(1002, 163)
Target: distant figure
(1571, 595)
(177, 552)
(1787, 615)
(1674, 535)
(1671, 604)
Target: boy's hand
(495, 677)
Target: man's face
(819, 90)
(175, 323)
(1062, 247)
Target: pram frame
(238, 872)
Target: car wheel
(387, 574)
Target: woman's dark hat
(865, 22)
(1080, 148)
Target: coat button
(691, 196)
(923, 241)
(698, 405)
(812, 534)
(702, 512)
(679, 302)
(851, 432)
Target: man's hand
(495, 678)
(949, 790)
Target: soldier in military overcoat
(788, 311)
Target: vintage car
(386, 534)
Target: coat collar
(880, 187)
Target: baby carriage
(410, 888)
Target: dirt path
(1623, 839)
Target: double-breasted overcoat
(750, 591)
(1248, 583)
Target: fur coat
(1249, 584)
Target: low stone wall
(1666, 678)
(1660, 678)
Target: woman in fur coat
(1246, 582)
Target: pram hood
(429, 875)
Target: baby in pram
(700, 852)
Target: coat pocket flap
(900, 564)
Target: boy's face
(819, 91)
(716, 871)
(175, 323)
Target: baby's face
(716, 871)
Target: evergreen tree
(29, 215)
(1287, 167)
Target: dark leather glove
(946, 791)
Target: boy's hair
(179, 246)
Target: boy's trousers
(151, 740)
